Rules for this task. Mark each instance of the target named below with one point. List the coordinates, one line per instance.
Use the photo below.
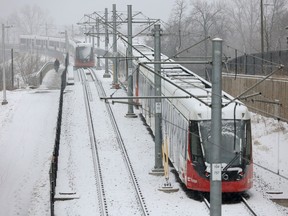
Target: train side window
(248, 140)
(196, 151)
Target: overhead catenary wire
(187, 48)
(256, 84)
(242, 93)
(223, 149)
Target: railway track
(108, 196)
(229, 209)
(245, 202)
(102, 202)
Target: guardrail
(36, 78)
(42, 72)
(54, 161)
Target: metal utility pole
(66, 40)
(216, 168)
(277, 114)
(262, 35)
(158, 168)
(130, 113)
(12, 68)
(85, 29)
(98, 67)
(106, 74)
(3, 64)
(262, 27)
(115, 61)
(93, 40)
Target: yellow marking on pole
(165, 158)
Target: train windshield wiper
(238, 154)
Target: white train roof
(47, 38)
(191, 108)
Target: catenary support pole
(93, 39)
(12, 68)
(98, 67)
(262, 34)
(4, 101)
(216, 169)
(158, 167)
(130, 113)
(106, 73)
(262, 26)
(115, 61)
(66, 41)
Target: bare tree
(275, 25)
(179, 12)
(30, 19)
(176, 29)
(245, 19)
(207, 18)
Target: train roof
(199, 106)
(47, 38)
(83, 44)
(43, 38)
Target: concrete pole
(106, 74)
(216, 169)
(93, 37)
(158, 103)
(98, 67)
(262, 35)
(89, 28)
(130, 113)
(66, 42)
(277, 114)
(12, 68)
(85, 34)
(262, 26)
(3, 64)
(115, 61)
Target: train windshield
(235, 141)
(83, 53)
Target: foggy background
(65, 12)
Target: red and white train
(186, 126)
(83, 52)
(84, 56)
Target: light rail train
(186, 126)
(46, 42)
(84, 56)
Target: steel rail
(96, 161)
(245, 202)
(140, 197)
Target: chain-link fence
(258, 63)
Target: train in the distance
(186, 126)
(45, 42)
(83, 52)
(84, 56)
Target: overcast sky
(71, 11)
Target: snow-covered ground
(27, 133)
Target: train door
(183, 149)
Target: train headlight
(207, 174)
(225, 176)
(240, 175)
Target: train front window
(235, 144)
(84, 53)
